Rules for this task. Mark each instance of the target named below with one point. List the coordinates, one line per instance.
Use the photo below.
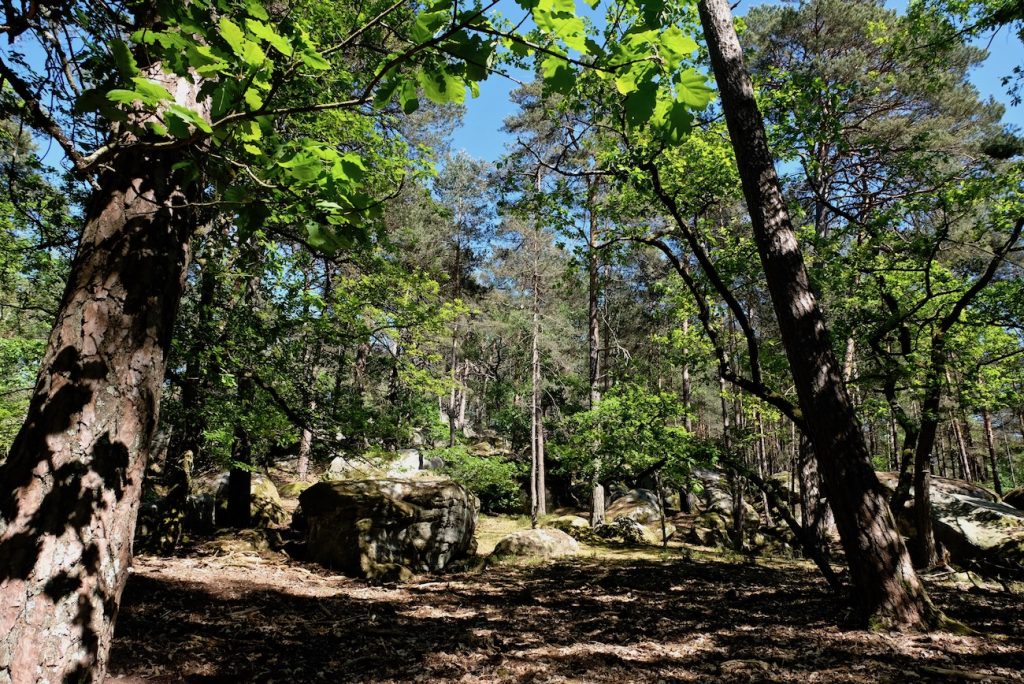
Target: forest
(715, 372)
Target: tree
(889, 593)
(188, 98)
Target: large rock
(718, 499)
(538, 543)
(641, 505)
(978, 530)
(1015, 498)
(570, 523)
(266, 507)
(406, 463)
(388, 528)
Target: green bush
(494, 479)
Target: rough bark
(538, 503)
(990, 442)
(925, 553)
(594, 342)
(887, 589)
(813, 508)
(70, 488)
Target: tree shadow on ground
(583, 621)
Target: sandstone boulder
(406, 463)
(718, 499)
(266, 507)
(388, 528)
(570, 523)
(640, 505)
(1015, 498)
(976, 529)
(539, 543)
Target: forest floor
(225, 613)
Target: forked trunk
(887, 589)
(70, 488)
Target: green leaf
(157, 128)
(652, 11)
(675, 45)
(151, 90)
(303, 166)
(253, 98)
(265, 32)
(559, 77)
(442, 87)
(178, 127)
(386, 91)
(250, 52)
(250, 131)
(692, 89)
(122, 96)
(256, 9)
(640, 104)
(204, 61)
(124, 59)
(409, 97)
(190, 116)
(232, 34)
(224, 97)
(558, 18)
(427, 24)
(314, 60)
(678, 123)
(474, 51)
(628, 81)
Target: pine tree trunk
(961, 447)
(813, 509)
(70, 488)
(990, 442)
(887, 589)
(305, 447)
(594, 339)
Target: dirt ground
(676, 616)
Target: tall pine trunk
(594, 348)
(887, 589)
(990, 442)
(70, 488)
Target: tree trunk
(305, 447)
(536, 444)
(813, 509)
(990, 442)
(887, 589)
(924, 550)
(594, 339)
(961, 447)
(240, 476)
(70, 488)
(762, 467)
(1009, 460)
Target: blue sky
(481, 136)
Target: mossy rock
(536, 544)
(291, 490)
(572, 525)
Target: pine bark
(887, 589)
(70, 488)
(990, 442)
(594, 344)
